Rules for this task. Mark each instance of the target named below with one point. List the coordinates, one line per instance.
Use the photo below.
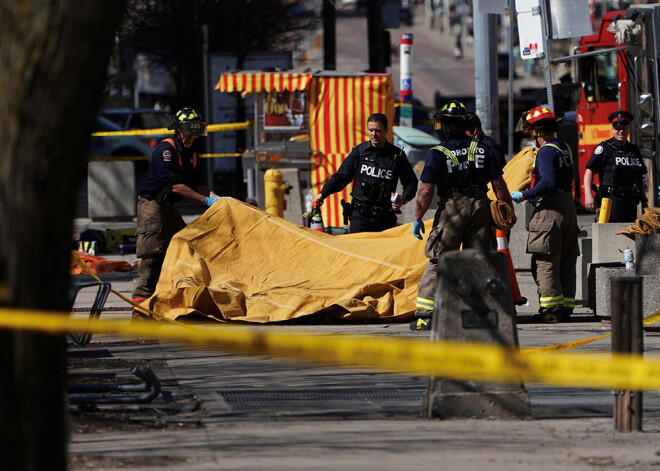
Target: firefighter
(476, 132)
(460, 170)
(620, 170)
(553, 231)
(374, 166)
(174, 171)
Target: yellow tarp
(236, 262)
(518, 171)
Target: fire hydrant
(274, 189)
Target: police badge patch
(598, 150)
(167, 155)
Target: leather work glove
(418, 229)
(210, 200)
(517, 196)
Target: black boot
(566, 314)
(420, 323)
(547, 316)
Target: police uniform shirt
(553, 171)
(165, 170)
(375, 171)
(617, 164)
(440, 170)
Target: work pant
(156, 225)
(553, 242)
(460, 219)
(623, 209)
(362, 223)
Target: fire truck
(617, 68)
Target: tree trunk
(53, 57)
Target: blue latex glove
(517, 196)
(210, 200)
(418, 229)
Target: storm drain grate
(353, 399)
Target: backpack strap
(171, 142)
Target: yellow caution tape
(648, 320)
(128, 158)
(442, 359)
(563, 346)
(117, 158)
(148, 132)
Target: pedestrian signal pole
(406, 96)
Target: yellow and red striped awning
(338, 111)
(263, 82)
(339, 106)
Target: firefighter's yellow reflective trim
(421, 323)
(426, 304)
(551, 301)
(448, 153)
(569, 302)
(473, 148)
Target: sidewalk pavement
(220, 410)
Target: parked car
(120, 146)
(422, 118)
(127, 119)
(414, 142)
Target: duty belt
(371, 211)
(621, 192)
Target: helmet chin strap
(535, 137)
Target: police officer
(374, 167)
(620, 170)
(553, 231)
(174, 174)
(460, 169)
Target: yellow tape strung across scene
(128, 158)
(648, 320)
(148, 132)
(442, 359)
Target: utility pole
(485, 71)
(329, 36)
(511, 8)
(375, 36)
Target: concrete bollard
(473, 304)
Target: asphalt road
(435, 69)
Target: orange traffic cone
(503, 246)
(316, 221)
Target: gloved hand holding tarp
(236, 262)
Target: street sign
(530, 30)
(497, 7)
(568, 19)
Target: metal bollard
(605, 208)
(627, 337)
